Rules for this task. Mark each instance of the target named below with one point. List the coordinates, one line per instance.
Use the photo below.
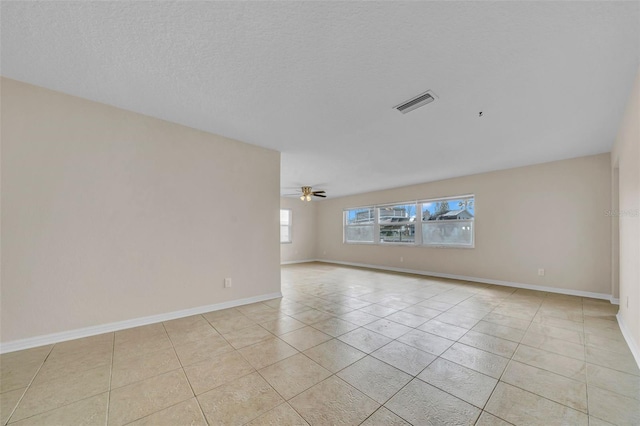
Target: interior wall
(549, 216)
(303, 231)
(626, 156)
(108, 215)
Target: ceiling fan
(307, 192)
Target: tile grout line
(113, 353)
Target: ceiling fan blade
(318, 192)
(319, 195)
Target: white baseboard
(292, 262)
(478, 280)
(615, 301)
(47, 339)
(633, 345)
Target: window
(358, 225)
(397, 223)
(285, 225)
(446, 222)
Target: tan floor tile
(613, 407)
(240, 401)
(141, 332)
(333, 402)
(464, 383)
(559, 364)
(492, 344)
(422, 404)
(560, 389)
(222, 314)
(442, 329)
(192, 321)
(558, 333)
(183, 413)
(394, 304)
(334, 326)
(247, 336)
(521, 407)
(8, 401)
(335, 309)
(198, 331)
(334, 355)
(26, 356)
(458, 320)
(557, 346)
(359, 318)
(507, 321)
(406, 318)
(129, 370)
(432, 304)
(15, 375)
(472, 312)
(265, 316)
(305, 338)
(137, 347)
(487, 419)
(614, 360)
(378, 310)
(376, 379)
(594, 421)
(426, 342)
(365, 340)
(282, 325)
(56, 393)
(200, 350)
(560, 323)
(253, 308)
(384, 417)
(404, 357)
(484, 362)
(54, 369)
(501, 331)
(424, 311)
(391, 329)
(97, 342)
(213, 372)
(231, 324)
(282, 415)
(267, 352)
(613, 342)
(293, 375)
(614, 381)
(140, 399)
(86, 412)
(311, 316)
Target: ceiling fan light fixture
(302, 197)
(308, 197)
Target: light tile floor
(343, 346)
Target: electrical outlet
(227, 282)
(541, 272)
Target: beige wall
(303, 231)
(549, 216)
(626, 157)
(109, 215)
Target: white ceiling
(318, 80)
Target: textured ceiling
(318, 80)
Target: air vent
(416, 102)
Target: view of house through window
(285, 225)
(447, 222)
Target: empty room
(319, 213)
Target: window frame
(418, 223)
(288, 225)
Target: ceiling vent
(417, 102)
